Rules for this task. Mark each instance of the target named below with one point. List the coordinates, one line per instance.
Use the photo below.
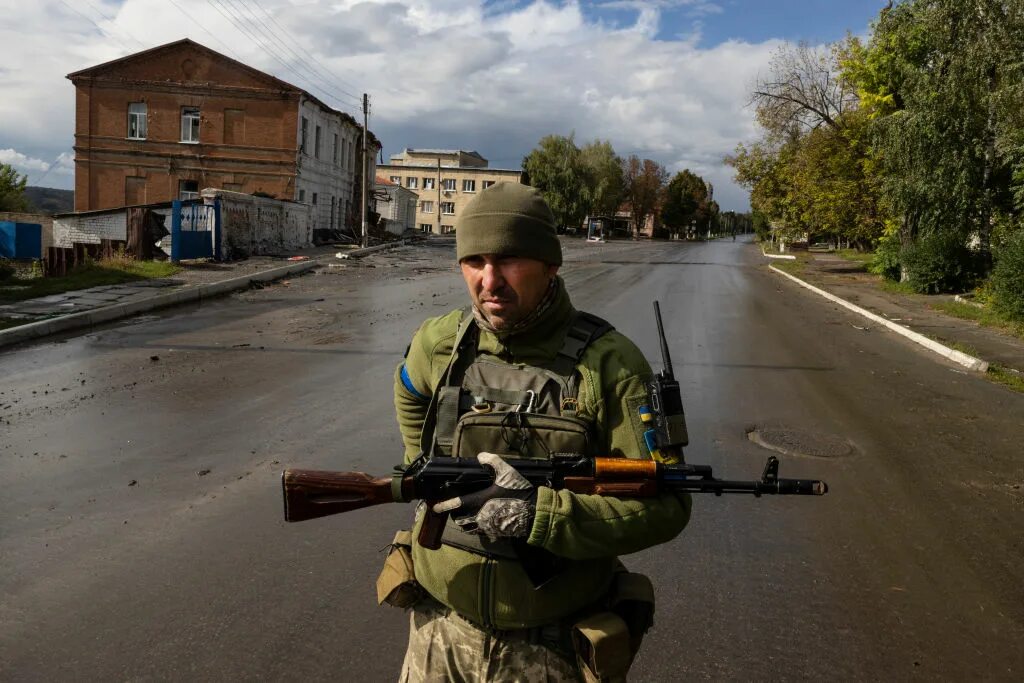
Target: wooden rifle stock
(309, 494)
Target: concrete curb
(359, 253)
(969, 362)
(97, 316)
(788, 257)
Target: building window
(469, 186)
(396, 179)
(305, 135)
(188, 189)
(190, 124)
(428, 183)
(427, 207)
(302, 195)
(448, 184)
(426, 227)
(448, 208)
(334, 155)
(411, 182)
(137, 120)
(314, 199)
(316, 143)
(447, 229)
(486, 183)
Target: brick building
(167, 122)
(444, 180)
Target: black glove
(505, 509)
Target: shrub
(887, 258)
(1007, 280)
(939, 262)
(6, 270)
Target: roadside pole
(366, 167)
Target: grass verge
(895, 287)
(107, 272)
(981, 315)
(793, 267)
(1007, 377)
(11, 322)
(865, 257)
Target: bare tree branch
(802, 90)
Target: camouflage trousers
(444, 647)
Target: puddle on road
(800, 442)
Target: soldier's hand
(503, 510)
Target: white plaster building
(397, 207)
(329, 148)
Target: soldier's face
(506, 288)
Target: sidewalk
(87, 307)
(849, 280)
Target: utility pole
(366, 167)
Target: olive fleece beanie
(508, 219)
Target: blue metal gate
(195, 230)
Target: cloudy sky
(664, 79)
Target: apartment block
(444, 180)
(167, 122)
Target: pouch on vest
(397, 583)
(520, 435)
(606, 643)
(632, 598)
(603, 649)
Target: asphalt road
(141, 534)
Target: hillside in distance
(50, 200)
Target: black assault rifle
(309, 494)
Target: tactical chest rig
(514, 410)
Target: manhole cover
(799, 442)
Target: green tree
(644, 180)
(607, 184)
(12, 189)
(556, 168)
(685, 202)
(812, 171)
(945, 80)
(766, 168)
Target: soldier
(521, 373)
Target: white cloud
(443, 73)
(22, 162)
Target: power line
(324, 75)
(216, 4)
(252, 36)
(100, 28)
(192, 19)
(298, 44)
(49, 168)
(265, 31)
(103, 14)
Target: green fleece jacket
(588, 530)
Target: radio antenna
(665, 358)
